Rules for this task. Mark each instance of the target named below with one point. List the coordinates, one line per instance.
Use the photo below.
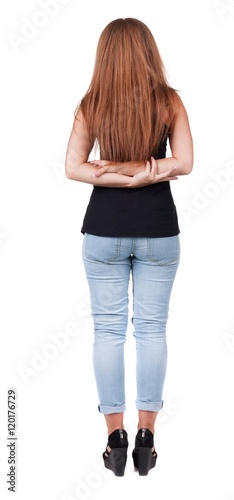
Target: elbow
(188, 167)
(184, 164)
(74, 172)
(69, 172)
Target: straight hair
(129, 105)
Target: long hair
(125, 105)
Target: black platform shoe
(116, 459)
(144, 458)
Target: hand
(103, 166)
(150, 175)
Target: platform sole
(143, 460)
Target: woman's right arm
(181, 144)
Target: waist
(142, 212)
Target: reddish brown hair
(129, 100)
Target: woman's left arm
(77, 166)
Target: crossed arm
(130, 174)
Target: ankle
(111, 429)
(114, 421)
(146, 420)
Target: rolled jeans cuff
(107, 410)
(157, 406)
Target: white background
(44, 295)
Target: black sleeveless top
(147, 212)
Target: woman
(130, 226)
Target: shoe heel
(144, 460)
(116, 461)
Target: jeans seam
(117, 251)
(149, 248)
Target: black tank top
(147, 212)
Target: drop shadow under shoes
(144, 458)
(116, 459)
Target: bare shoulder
(179, 109)
(79, 125)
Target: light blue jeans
(108, 262)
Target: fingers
(154, 165)
(100, 167)
(148, 167)
(99, 171)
